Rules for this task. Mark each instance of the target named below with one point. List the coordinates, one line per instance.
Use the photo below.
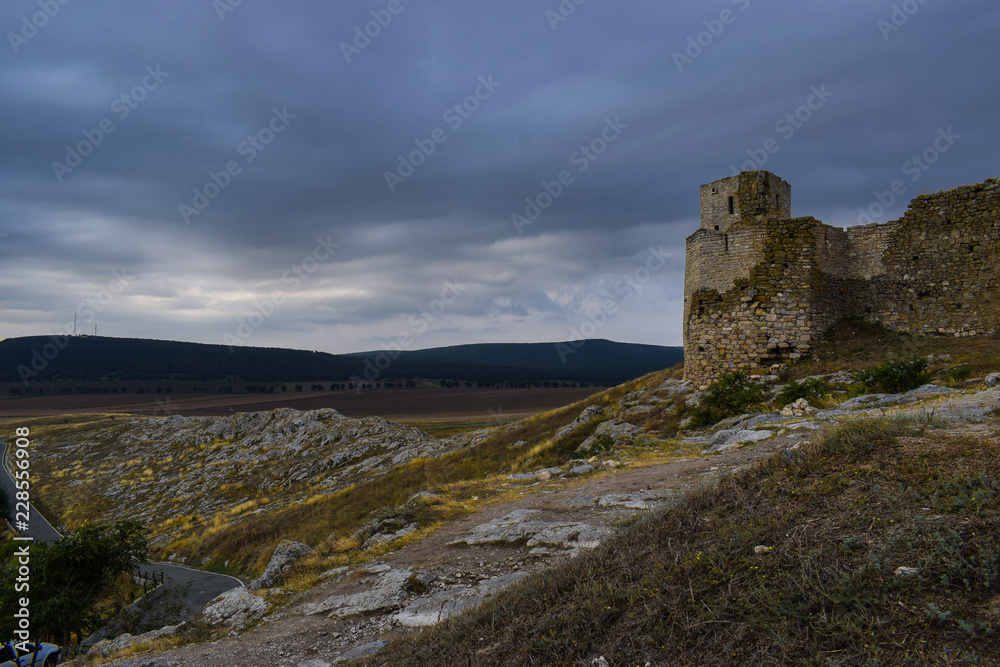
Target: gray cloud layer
(305, 242)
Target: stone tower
(760, 287)
(748, 196)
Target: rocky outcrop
(173, 466)
(283, 558)
(738, 436)
(612, 433)
(385, 593)
(106, 647)
(879, 400)
(588, 415)
(235, 608)
(363, 651)
(518, 527)
(447, 603)
(384, 538)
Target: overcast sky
(230, 171)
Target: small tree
(71, 576)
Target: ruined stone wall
(939, 270)
(763, 291)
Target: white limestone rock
(445, 604)
(235, 608)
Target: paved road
(38, 527)
(204, 585)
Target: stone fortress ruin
(760, 287)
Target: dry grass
(686, 586)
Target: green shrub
(896, 375)
(808, 388)
(958, 373)
(734, 393)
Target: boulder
(993, 380)
(235, 608)
(281, 560)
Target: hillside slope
(595, 356)
(876, 544)
(43, 358)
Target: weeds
(958, 374)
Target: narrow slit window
(777, 201)
(732, 205)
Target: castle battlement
(760, 287)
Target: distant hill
(96, 358)
(596, 358)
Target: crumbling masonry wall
(760, 290)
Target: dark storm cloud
(251, 117)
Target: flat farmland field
(402, 405)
